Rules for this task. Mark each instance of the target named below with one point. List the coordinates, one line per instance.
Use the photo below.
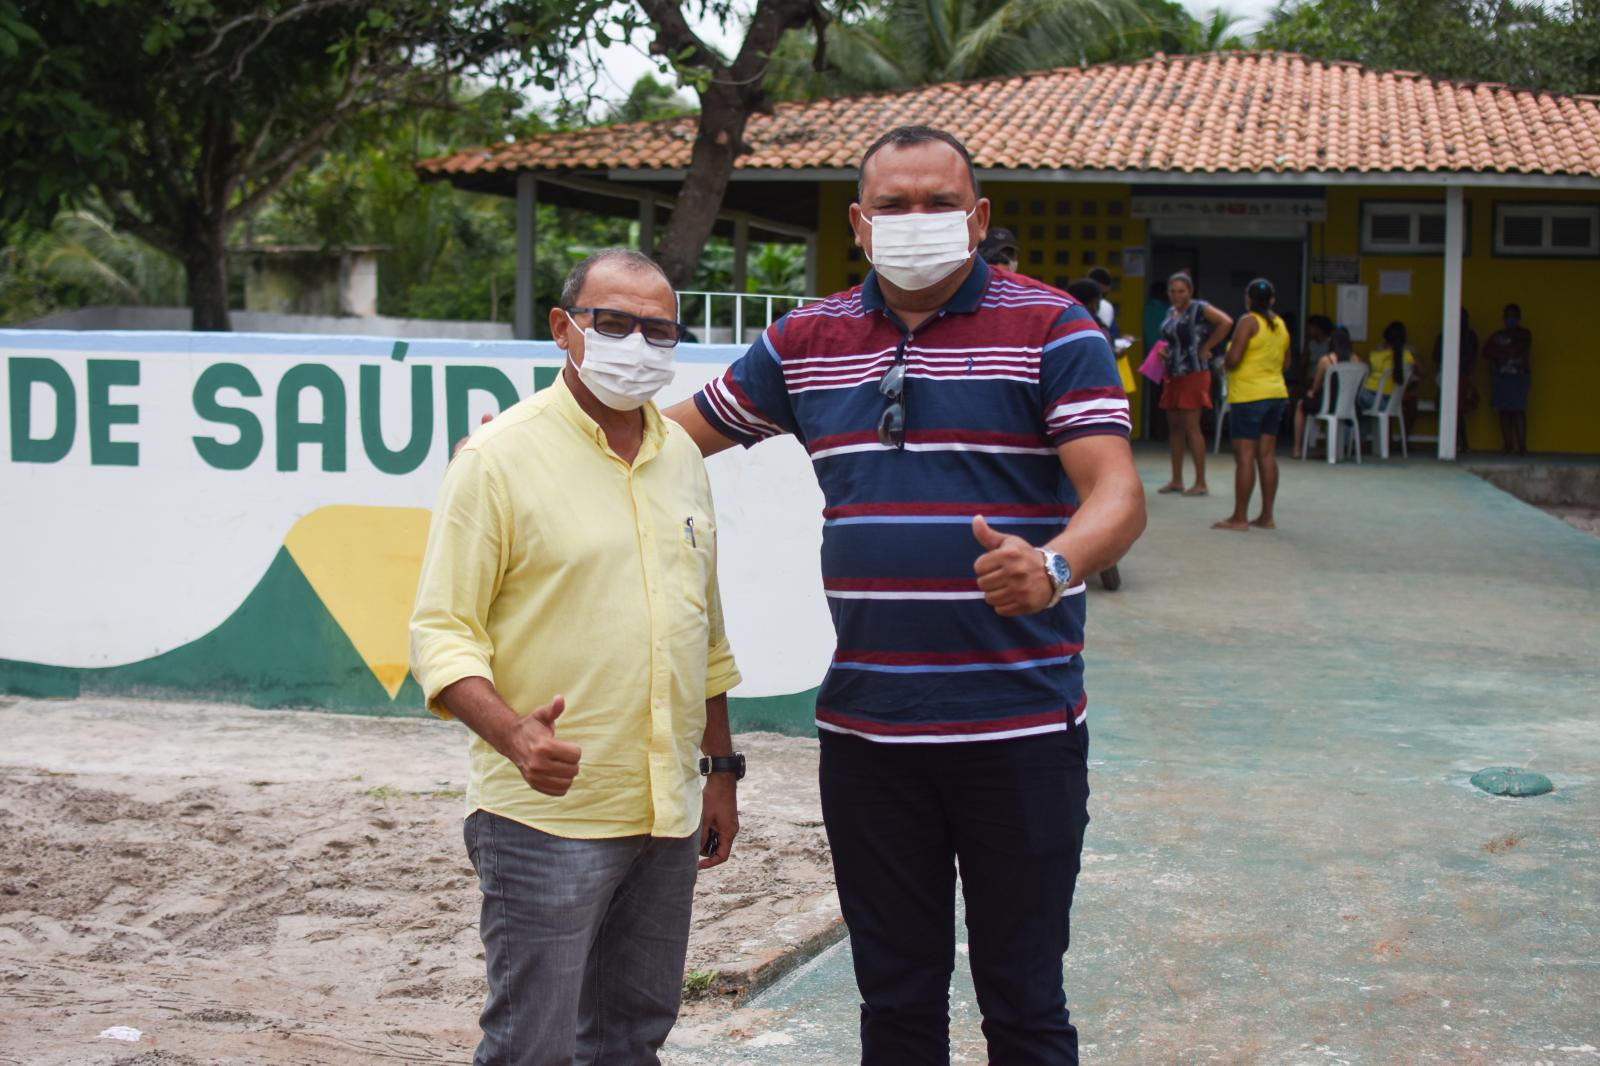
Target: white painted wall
(104, 565)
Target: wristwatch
(1059, 573)
(723, 764)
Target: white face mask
(917, 251)
(623, 372)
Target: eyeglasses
(609, 322)
(892, 426)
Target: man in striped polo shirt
(956, 419)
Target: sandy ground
(286, 887)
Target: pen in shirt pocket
(688, 531)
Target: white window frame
(1416, 211)
(1546, 213)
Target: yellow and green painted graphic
(120, 572)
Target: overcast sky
(1253, 12)
(623, 65)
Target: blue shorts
(1259, 418)
(1509, 392)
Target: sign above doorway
(1229, 207)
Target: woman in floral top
(1192, 329)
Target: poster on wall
(241, 517)
(1352, 304)
(1335, 270)
(1394, 282)
(1133, 262)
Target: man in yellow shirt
(568, 613)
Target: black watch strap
(723, 764)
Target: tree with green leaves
(729, 92)
(183, 117)
(649, 100)
(1217, 31)
(1524, 43)
(902, 43)
(447, 254)
(80, 259)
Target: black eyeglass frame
(635, 322)
(892, 423)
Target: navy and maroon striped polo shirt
(1008, 370)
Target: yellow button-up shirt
(553, 567)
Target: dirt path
(284, 887)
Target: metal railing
(727, 310)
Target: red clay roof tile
(1224, 112)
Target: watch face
(1060, 572)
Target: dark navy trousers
(902, 821)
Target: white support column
(1455, 239)
(741, 253)
(527, 240)
(811, 265)
(741, 271)
(647, 225)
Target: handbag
(1130, 383)
(1154, 366)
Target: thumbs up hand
(1010, 572)
(547, 764)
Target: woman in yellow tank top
(1257, 398)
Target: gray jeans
(584, 941)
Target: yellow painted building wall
(1554, 295)
(1063, 231)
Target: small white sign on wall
(1353, 310)
(1394, 282)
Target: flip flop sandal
(1165, 489)
(1197, 492)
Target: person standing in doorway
(1509, 352)
(1256, 361)
(568, 615)
(1155, 313)
(970, 438)
(1192, 329)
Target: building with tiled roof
(1231, 113)
(1362, 193)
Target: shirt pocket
(694, 561)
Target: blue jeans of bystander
(584, 941)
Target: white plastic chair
(1222, 414)
(1349, 377)
(1389, 407)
